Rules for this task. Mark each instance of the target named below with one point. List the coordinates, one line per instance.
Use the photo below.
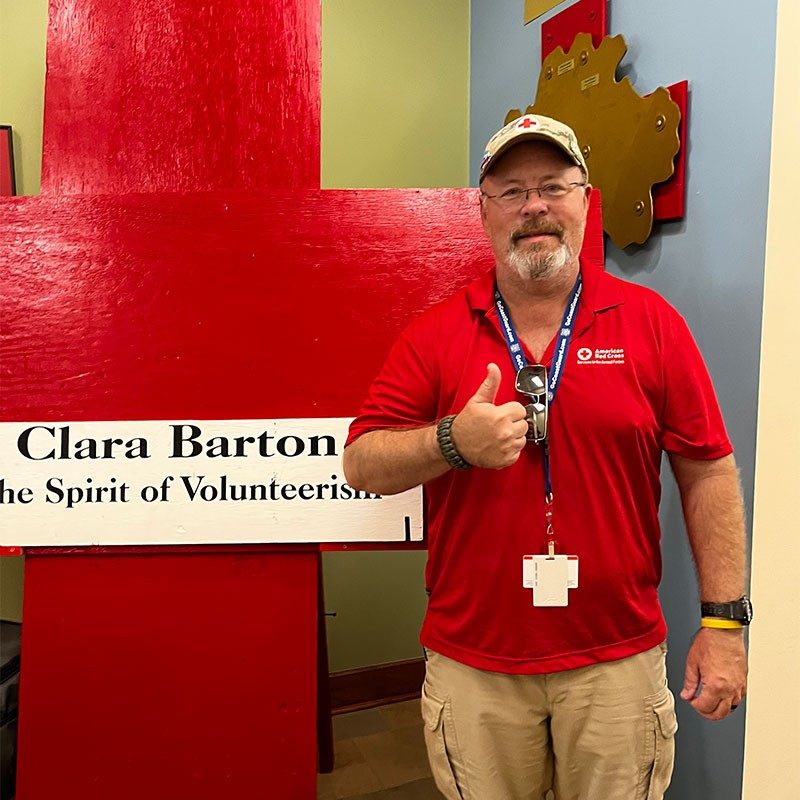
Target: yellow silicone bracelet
(713, 622)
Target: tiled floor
(379, 755)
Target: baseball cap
(533, 126)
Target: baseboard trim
(367, 687)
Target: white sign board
(189, 482)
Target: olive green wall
(11, 588)
(23, 27)
(395, 89)
(395, 93)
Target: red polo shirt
(634, 384)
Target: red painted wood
(139, 680)
(336, 547)
(165, 676)
(594, 243)
(174, 549)
(10, 551)
(180, 95)
(221, 306)
(585, 16)
(669, 198)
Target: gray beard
(531, 265)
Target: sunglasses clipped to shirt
(532, 381)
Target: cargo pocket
(440, 741)
(661, 730)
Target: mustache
(533, 229)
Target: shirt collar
(601, 291)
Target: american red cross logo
(527, 123)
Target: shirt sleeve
(691, 422)
(404, 393)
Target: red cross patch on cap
(534, 126)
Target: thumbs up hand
(487, 435)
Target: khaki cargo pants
(603, 732)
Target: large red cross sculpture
(182, 263)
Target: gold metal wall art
(535, 8)
(629, 141)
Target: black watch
(740, 610)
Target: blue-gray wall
(710, 266)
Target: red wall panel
(219, 305)
(168, 676)
(180, 95)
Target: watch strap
(445, 440)
(740, 610)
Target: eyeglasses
(516, 197)
(532, 381)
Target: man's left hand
(717, 666)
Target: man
(544, 634)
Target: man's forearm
(715, 680)
(388, 462)
(714, 514)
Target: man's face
(538, 237)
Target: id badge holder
(551, 578)
(548, 576)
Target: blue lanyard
(559, 358)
